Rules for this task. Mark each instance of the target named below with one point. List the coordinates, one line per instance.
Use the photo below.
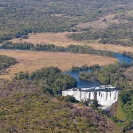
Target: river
(104, 96)
(86, 84)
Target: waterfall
(104, 98)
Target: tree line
(114, 74)
(85, 67)
(119, 34)
(52, 48)
(125, 106)
(6, 61)
(52, 79)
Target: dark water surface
(123, 58)
(86, 84)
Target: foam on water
(104, 97)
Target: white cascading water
(104, 98)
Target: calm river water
(86, 84)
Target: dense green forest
(17, 19)
(114, 34)
(123, 110)
(37, 113)
(117, 74)
(51, 78)
(52, 48)
(29, 103)
(86, 76)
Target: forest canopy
(51, 78)
(53, 48)
(6, 61)
(57, 16)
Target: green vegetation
(54, 16)
(31, 102)
(75, 68)
(110, 74)
(85, 67)
(38, 113)
(115, 74)
(26, 105)
(124, 110)
(21, 46)
(51, 79)
(126, 103)
(114, 34)
(86, 76)
(118, 74)
(128, 54)
(6, 61)
(118, 34)
(52, 48)
(40, 94)
(88, 35)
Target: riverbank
(33, 60)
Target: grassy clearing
(33, 60)
(95, 24)
(100, 24)
(130, 13)
(60, 39)
(110, 47)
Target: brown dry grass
(60, 39)
(95, 24)
(33, 60)
(111, 47)
(99, 24)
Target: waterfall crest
(104, 97)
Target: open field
(101, 24)
(32, 60)
(110, 47)
(60, 39)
